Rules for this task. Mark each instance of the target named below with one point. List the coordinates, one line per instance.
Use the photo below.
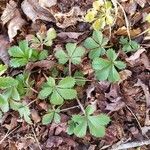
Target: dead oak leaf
(12, 16)
(47, 3)
(34, 11)
(64, 20)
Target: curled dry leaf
(124, 74)
(4, 44)
(71, 35)
(34, 11)
(35, 116)
(44, 64)
(47, 3)
(132, 59)
(64, 20)
(145, 61)
(123, 32)
(12, 16)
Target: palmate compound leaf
(52, 115)
(96, 44)
(20, 54)
(106, 68)
(7, 82)
(60, 92)
(95, 123)
(73, 53)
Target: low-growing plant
(43, 38)
(129, 45)
(96, 44)
(106, 68)
(50, 116)
(79, 124)
(57, 93)
(100, 15)
(22, 54)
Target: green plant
(80, 79)
(22, 54)
(44, 38)
(52, 115)
(60, 92)
(100, 15)
(73, 55)
(106, 68)
(129, 45)
(96, 44)
(3, 68)
(95, 123)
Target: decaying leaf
(124, 74)
(47, 3)
(132, 59)
(141, 2)
(145, 61)
(4, 44)
(64, 20)
(44, 64)
(34, 11)
(71, 35)
(123, 31)
(12, 16)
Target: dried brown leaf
(132, 59)
(124, 74)
(44, 64)
(35, 116)
(141, 2)
(64, 20)
(34, 11)
(4, 44)
(71, 35)
(123, 31)
(12, 16)
(47, 3)
(145, 61)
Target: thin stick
(31, 102)
(69, 67)
(126, 19)
(36, 138)
(7, 134)
(131, 145)
(82, 108)
(66, 109)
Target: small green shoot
(52, 115)
(129, 45)
(95, 123)
(73, 54)
(58, 93)
(96, 44)
(106, 68)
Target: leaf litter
(126, 102)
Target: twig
(69, 67)
(7, 134)
(82, 108)
(126, 19)
(131, 145)
(66, 109)
(31, 102)
(36, 138)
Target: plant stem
(69, 67)
(66, 109)
(81, 106)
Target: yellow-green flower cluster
(100, 15)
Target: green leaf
(47, 118)
(7, 82)
(2, 99)
(58, 93)
(96, 44)
(106, 68)
(15, 95)
(74, 54)
(3, 68)
(57, 118)
(67, 82)
(79, 78)
(56, 98)
(90, 109)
